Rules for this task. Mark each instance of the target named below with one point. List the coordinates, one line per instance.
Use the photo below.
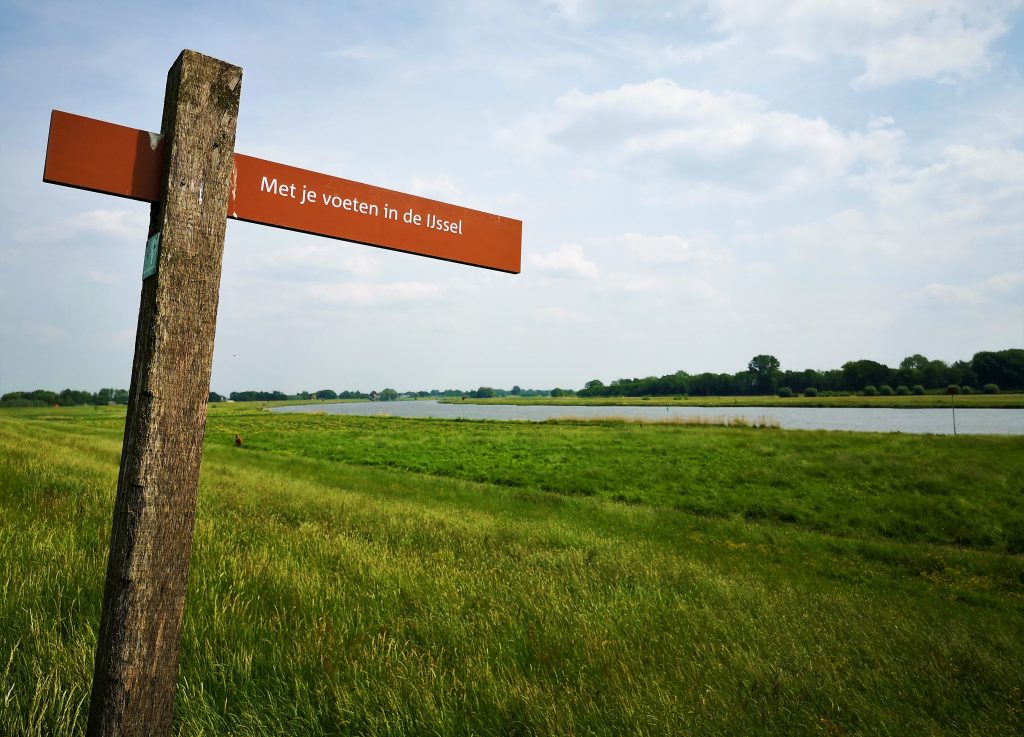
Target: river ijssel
(922, 421)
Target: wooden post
(154, 515)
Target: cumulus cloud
(364, 294)
(440, 187)
(308, 261)
(896, 41)
(567, 261)
(361, 52)
(671, 249)
(100, 277)
(977, 293)
(712, 142)
(126, 224)
(561, 315)
(46, 333)
(965, 193)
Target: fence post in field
(154, 515)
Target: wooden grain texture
(154, 515)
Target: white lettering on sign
(270, 185)
(308, 196)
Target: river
(920, 421)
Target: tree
(858, 374)
(764, 373)
(1005, 368)
(388, 395)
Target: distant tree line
(384, 395)
(987, 371)
(66, 398)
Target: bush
(870, 391)
(810, 392)
(885, 390)
(902, 390)
(918, 389)
(965, 389)
(785, 391)
(990, 389)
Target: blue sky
(699, 182)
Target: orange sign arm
(103, 157)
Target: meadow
(380, 576)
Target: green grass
(384, 576)
(925, 401)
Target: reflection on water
(930, 421)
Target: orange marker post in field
(195, 181)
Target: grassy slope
(333, 597)
(911, 487)
(927, 401)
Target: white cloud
(126, 224)
(567, 261)
(841, 237)
(896, 40)
(561, 315)
(977, 293)
(694, 53)
(362, 294)
(905, 40)
(965, 205)
(976, 193)
(713, 143)
(440, 187)
(99, 277)
(311, 260)
(46, 333)
(361, 52)
(671, 249)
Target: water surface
(927, 421)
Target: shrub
(810, 392)
(990, 389)
(902, 390)
(785, 391)
(870, 391)
(918, 389)
(885, 390)
(965, 389)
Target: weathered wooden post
(154, 515)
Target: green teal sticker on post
(152, 250)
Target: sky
(699, 182)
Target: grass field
(383, 576)
(925, 401)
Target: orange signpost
(104, 157)
(195, 181)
